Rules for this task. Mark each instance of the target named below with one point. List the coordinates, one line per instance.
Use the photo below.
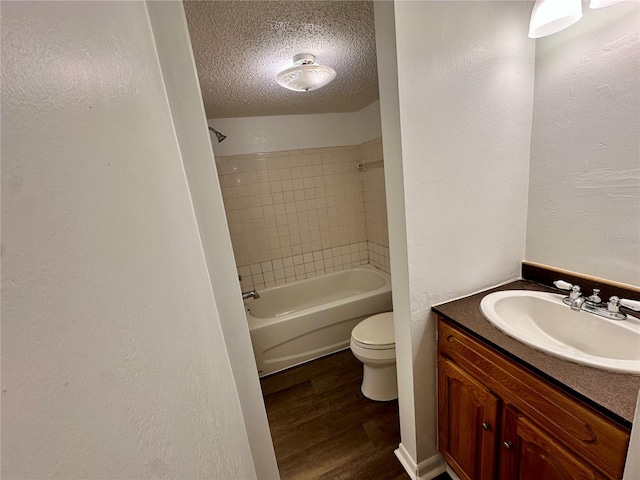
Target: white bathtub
(297, 322)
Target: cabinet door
(529, 453)
(467, 422)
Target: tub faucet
(250, 294)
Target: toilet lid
(375, 331)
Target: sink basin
(542, 321)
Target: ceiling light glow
(602, 3)
(551, 16)
(305, 75)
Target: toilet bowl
(373, 343)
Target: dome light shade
(602, 3)
(305, 75)
(551, 16)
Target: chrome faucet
(613, 305)
(250, 294)
(577, 300)
(595, 299)
(594, 304)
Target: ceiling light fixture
(305, 75)
(602, 3)
(551, 16)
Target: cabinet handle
(507, 444)
(485, 426)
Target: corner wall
(301, 213)
(584, 193)
(171, 37)
(300, 207)
(114, 363)
(386, 51)
(295, 132)
(465, 83)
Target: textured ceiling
(239, 46)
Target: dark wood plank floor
(324, 428)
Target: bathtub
(297, 322)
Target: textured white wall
(632, 466)
(171, 36)
(113, 359)
(368, 123)
(296, 132)
(393, 172)
(584, 193)
(465, 77)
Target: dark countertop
(614, 394)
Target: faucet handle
(575, 289)
(575, 292)
(631, 304)
(613, 305)
(562, 285)
(595, 296)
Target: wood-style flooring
(324, 428)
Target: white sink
(542, 321)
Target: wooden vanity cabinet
(468, 418)
(497, 420)
(532, 454)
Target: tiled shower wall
(301, 213)
(375, 205)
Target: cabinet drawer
(585, 431)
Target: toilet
(373, 343)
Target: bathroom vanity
(507, 411)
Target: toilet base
(379, 382)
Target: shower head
(219, 136)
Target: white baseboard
(425, 470)
(452, 474)
(407, 462)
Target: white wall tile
(310, 208)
